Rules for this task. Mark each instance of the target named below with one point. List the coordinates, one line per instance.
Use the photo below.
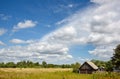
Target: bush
(75, 70)
(76, 67)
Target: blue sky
(45, 13)
(58, 31)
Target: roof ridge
(92, 64)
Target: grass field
(51, 73)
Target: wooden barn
(88, 68)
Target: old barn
(88, 68)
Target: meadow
(51, 73)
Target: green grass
(52, 74)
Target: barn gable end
(88, 68)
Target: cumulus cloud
(36, 51)
(97, 25)
(19, 41)
(103, 51)
(25, 24)
(2, 31)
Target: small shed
(88, 68)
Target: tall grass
(52, 74)
(106, 75)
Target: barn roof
(92, 65)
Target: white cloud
(2, 31)
(61, 36)
(19, 41)
(25, 24)
(36, 51)
(97, 25)
(102, 1)
(1, 43)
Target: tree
(10, 65)
(116, 57)
(109, 66)
(75, 67)
(50, 65)
(21, 64)
(37, 64)
(99, 63)
(30, 64)
(44, 64)
(2, 64)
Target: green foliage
(10, 65)
(109, 66)
(2, 65)
(21, 64)
(50, 65)
(65, 66)
(116, 57)
(26, 64)
(30, 64)
(99, 63)
(76, 67)
(109, 75)
(44, 64)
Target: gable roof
(91, 64)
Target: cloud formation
(97, 25)
(19, 41)
(38, 51)
(24, 25)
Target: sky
(58, 31)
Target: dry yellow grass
(39, 73)
(35, 69)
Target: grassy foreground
(51, 73)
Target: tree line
(30, 64)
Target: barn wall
(86, 66)
(86, 69)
